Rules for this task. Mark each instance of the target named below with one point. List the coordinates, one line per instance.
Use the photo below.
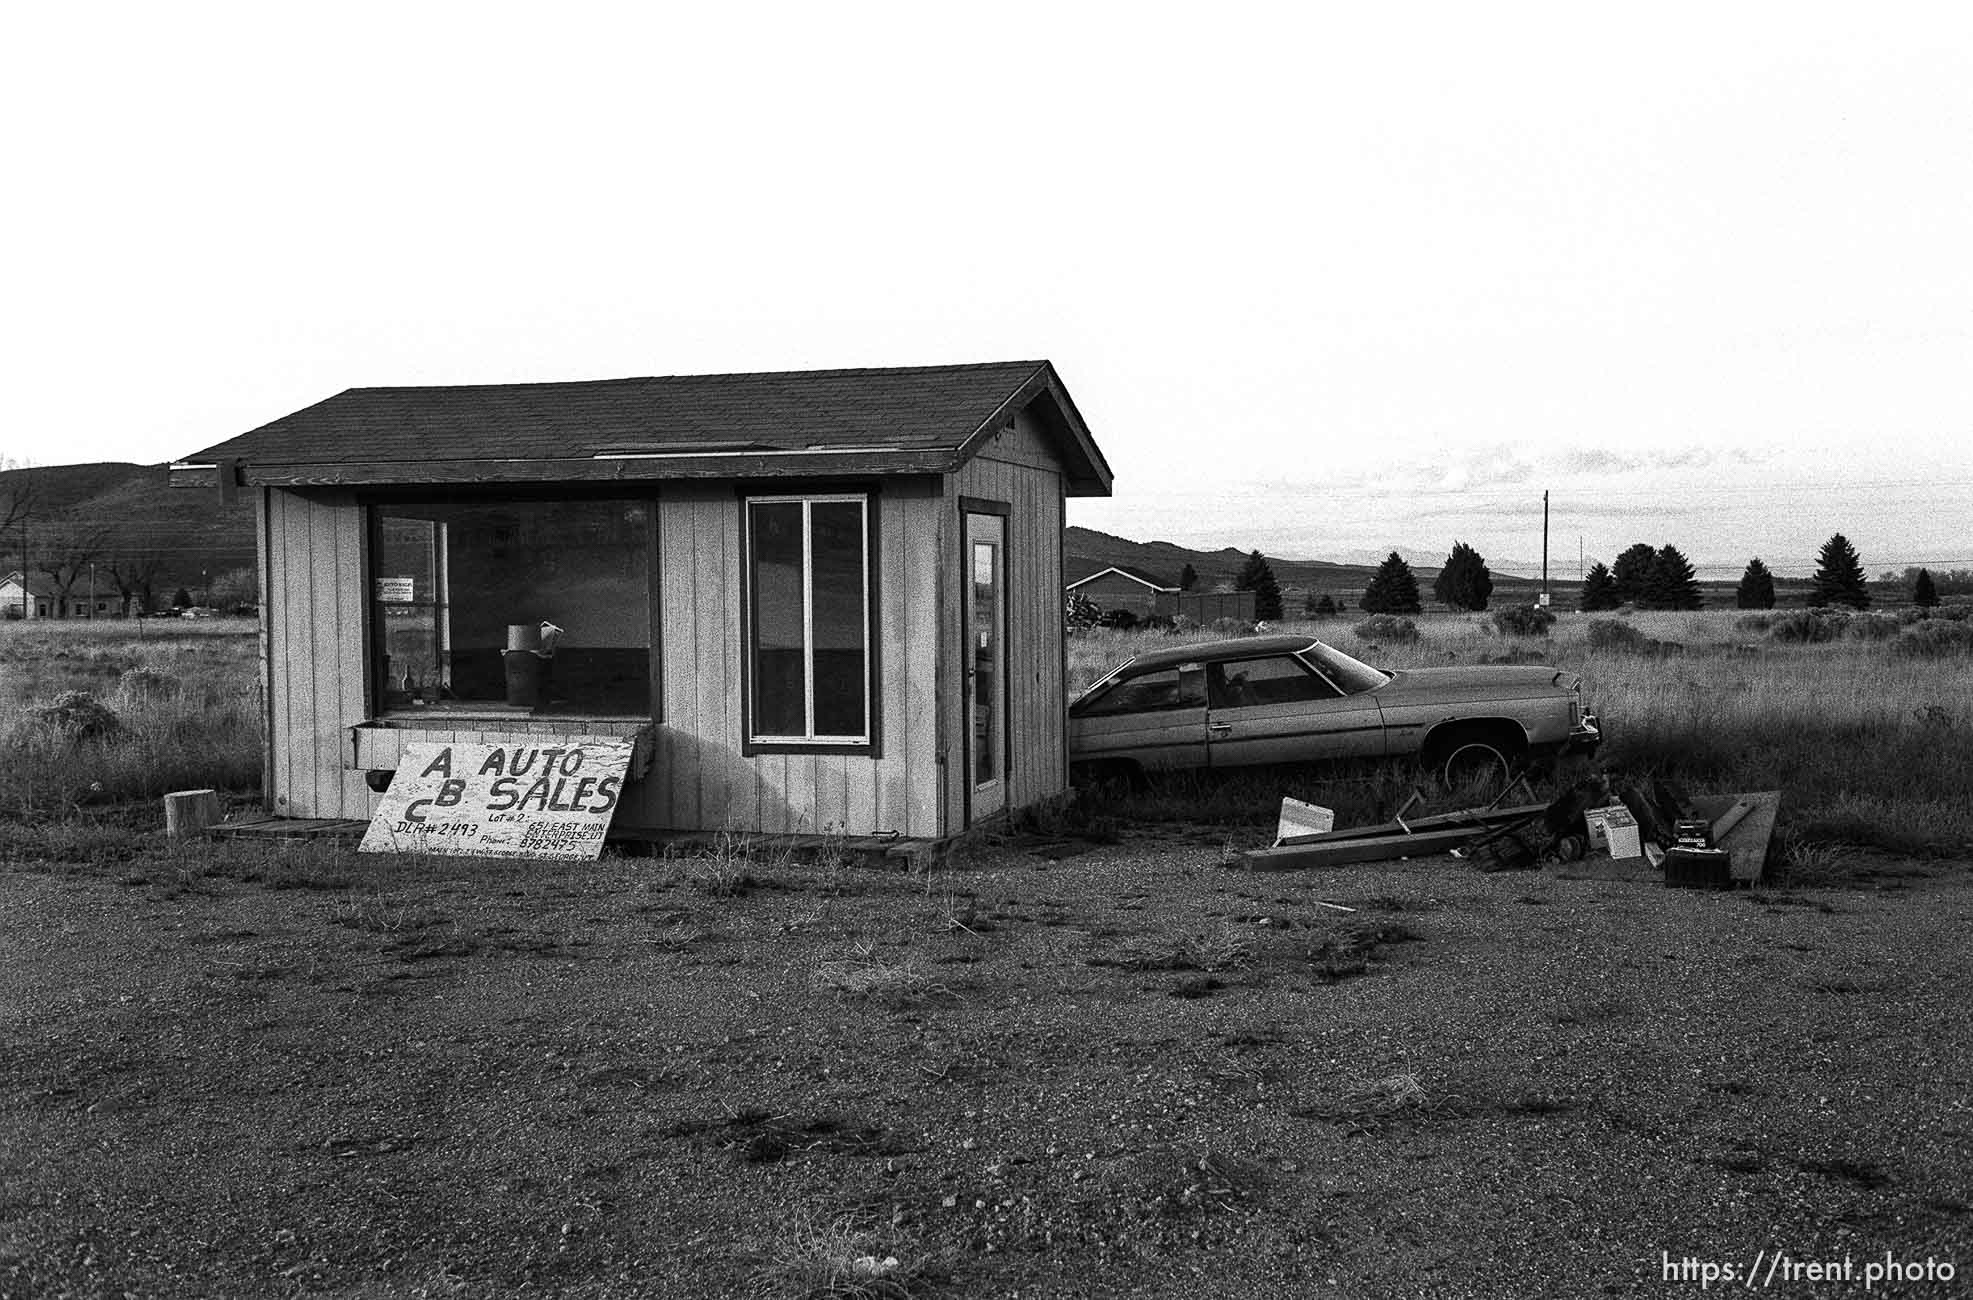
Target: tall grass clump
(1808, 626)
(1613, 635)
(99, 714)
(1935, 640)
(1523, 620)
(1386, 629)
(1874, 627)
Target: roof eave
(587, 469)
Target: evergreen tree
(1392, 589)
(1670, 584)
(1188, 578)
(1632, 571)
(1323, 606)
(1257, 577)
(1839, 576)
(1756, 587)
(1464, 583)
(1923, 593)
(1599, 590)
(181, 599)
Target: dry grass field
(1059, 1067)
(185, 696)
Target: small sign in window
(400, 591)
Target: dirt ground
(1129, 1072)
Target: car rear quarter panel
(1413, 709)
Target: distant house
(1123, 586)
(817, 600)
(36, 596)
(28, 596)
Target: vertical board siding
(701, 779)
(1019, 468)
(352, 653)
(315, 622)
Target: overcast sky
(1324, 279)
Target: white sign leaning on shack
(546, 799)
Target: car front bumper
(1585, 736)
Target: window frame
(375, 501)
(870, 744)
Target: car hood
(1477, 681)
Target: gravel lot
(1132, 1072)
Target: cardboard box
(1614, 831)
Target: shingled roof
(921, 419)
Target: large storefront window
(808, 591)
(461, 594)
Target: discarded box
(1298, 818)
(1698, 868)
(1613, 830)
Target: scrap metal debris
(1604, 827)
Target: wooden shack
(820, 600)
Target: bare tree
(18, 504)
(235, 588)
(18, 499)
(65, 548)
(17, 496)
(136, 572)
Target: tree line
(1643, 577)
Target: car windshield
(1352, 675)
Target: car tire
(1475, 765)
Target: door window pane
(986, 660)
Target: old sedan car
(1293, 699)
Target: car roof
(1239, 647)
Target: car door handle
(1218, 728)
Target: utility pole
(1544, 548)
(92, 589)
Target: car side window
(1278, 679)
(1159, 692)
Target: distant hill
(184, 533)
(1087, 551)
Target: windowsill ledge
(451, 713)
